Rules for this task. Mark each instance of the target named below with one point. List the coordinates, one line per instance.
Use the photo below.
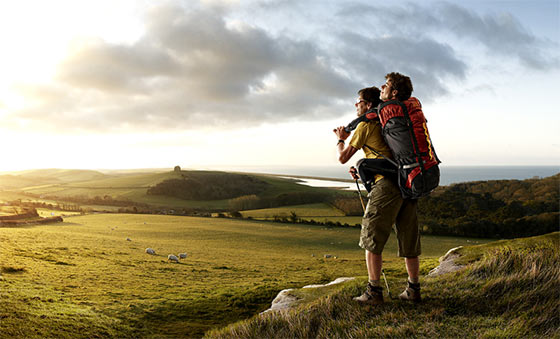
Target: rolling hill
(198, 189)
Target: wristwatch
(339, 141)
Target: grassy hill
(509, 289)
(81, 185)
(28, 178)
(486, 209)
(82, 278)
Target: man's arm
(344, 154)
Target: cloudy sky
(203, 84)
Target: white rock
(284, 300)
(336, 281)
(447, 263)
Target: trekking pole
(386, 284)
(353, 173)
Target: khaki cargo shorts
(386, 208)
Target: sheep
(150, 251)
(182, 255)
(172, 257)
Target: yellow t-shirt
(369, 133)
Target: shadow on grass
(192, 318)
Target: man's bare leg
(413, 268)
(374, 293)
(412, 291)
(374, 263)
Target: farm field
(308, 210)
(44, 212)
(321, 212)
(82, 277)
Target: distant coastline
(449, 174)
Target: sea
(449, 174)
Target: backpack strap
(386, 103)
(368, 116)
(379, 154)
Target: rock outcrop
(447, 263)
(285, 300)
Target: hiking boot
(412, 292)
(373, 295)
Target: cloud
(203, 67)
(95, 64)
(428, 62)
(191, 69)
(502, 35)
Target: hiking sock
(414, 280)
(374, 283)
(414, 286)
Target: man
(385, 206)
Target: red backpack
(406, 134)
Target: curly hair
(402, 84)
(370, 94)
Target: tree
(293, 217)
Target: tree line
(488, 209)
(252, 201)
(493, 209)
(209, 186)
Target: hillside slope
(30, 178)
(210, 190)
(508, 289)
(493, 209)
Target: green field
(307, 211)
(322, 213)
(83, 278)
(132, 187)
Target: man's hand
(341, 134)
(354, 173)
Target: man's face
(387, 91)
(361, 106)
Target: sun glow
(35, 37)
